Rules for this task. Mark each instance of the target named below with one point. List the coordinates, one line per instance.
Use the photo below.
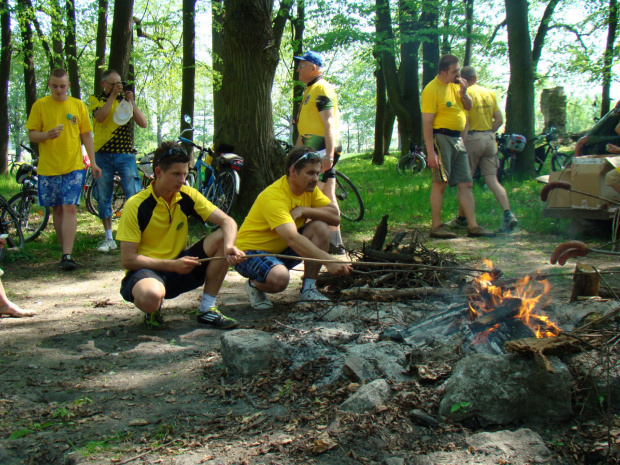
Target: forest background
(229, 65)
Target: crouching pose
(278, 223)
(153, 233)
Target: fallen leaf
(323, 443)
(138, 422)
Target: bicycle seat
(228, 159)
(24, 172)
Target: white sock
(207, 302)
(335, 238)
(108, 235)
(307, 284)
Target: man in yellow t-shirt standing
(444, 102)
(483, 120)
(60, 125)
(278, 224)
(318, 126)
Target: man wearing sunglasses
(278, 224)
(153, 232)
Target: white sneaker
(312, 295)
(258, 299)
(106, 245)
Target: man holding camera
(113, 110)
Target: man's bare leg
(437, 193)
(65, 225)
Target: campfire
(500, 314)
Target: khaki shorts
(612, 178)
(453, 160)
(482, 151)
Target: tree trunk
(520, 100)
(541, 34)
(612, 25)
(408, 71)
(378, 155)
(430, 47)
(299, 25)
(102, 31)
(24, 12)
(469, 28)
(58, 33)
(122, 35)
(5, 69)
(249, 59)
(189, 64)
(445, 43)
(72, 62)
(217, 43)
(388, 127)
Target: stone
(423, 418)
(395, 461)
(368, 397)
(337, 313)
(385, 358)
(503, 389)
(358, 369)
(249, 351)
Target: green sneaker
(215, 318)
(154, 320)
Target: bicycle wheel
(10, 225)
(223, 192)
(559, 161)
(412, 163)
(118, 198)
(349, 199)
(33, 217)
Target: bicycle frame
(199, 165)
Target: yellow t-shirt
(109, 136)
(317, 97)
(444, 101)
(271, 209)
(63, 154)
(484, 105)
(160, 229)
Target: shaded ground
(85, 382)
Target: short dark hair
(169, 153)
(295, 154)
(107, 72)
(58, 73)
(468, 73)
(445, 62)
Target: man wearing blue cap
(318, 127)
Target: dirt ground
(86, 382)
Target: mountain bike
(118, 197)
(559, 160)
(216, 176)
(509, 146)
(10, 228)
(33, 218)
(413, 162)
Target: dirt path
(85, 381)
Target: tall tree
(469, 29)
(58, 33)
(122, 35)
(6, 47)
(72, 59)
(299, 25)
(378, 154)
(189, 62)
(249, 58)
(612, 26)
(100, 43)
(430, 39)
(25, 15)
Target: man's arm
(328, 214)
(39, 136)
(89, 145)
(305, 248)
(465, 131)
(101, 113)
(498, 120)
(229, 233)
(466, 100)
(138, 116)
(427, 125)
(132, 260)
(327, 117)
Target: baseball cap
(123, 113)
(312, 57)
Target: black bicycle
(33, 217)
(559, 160)
(413, 162)
(10, 228)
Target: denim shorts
(175, 283)
(257, 268)
(63, 189)
(125, 165)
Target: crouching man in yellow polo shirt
(153, 233)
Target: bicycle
(508, 148)
(349, 199)
(413, 162)
(10, 228)
(118, 197)
(559, 160)
(33, 217)
(217, 178)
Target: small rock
(139, 422)
(422, 418)
(369, 397)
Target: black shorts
(175, 283)
(331, 173)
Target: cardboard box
(559, 198)
(588, 175)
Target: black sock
(461, 219)
(507, 213)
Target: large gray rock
(249, 351)
(521, 447)
(502, 389)
(368, 397)
(385, 358)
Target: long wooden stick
(320, 260)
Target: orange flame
(528, 291)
